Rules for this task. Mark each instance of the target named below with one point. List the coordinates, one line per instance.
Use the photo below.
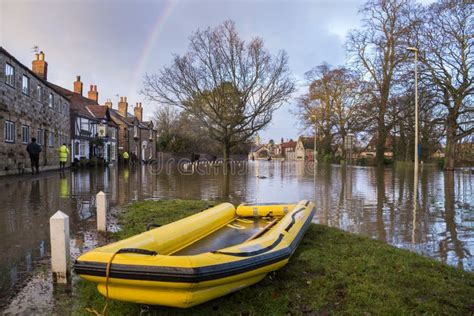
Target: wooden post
(60, 256)
(101, 209)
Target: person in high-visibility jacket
(63, 153)
(125, 157)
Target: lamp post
(315, 157)
(415, 50)
(415, 174)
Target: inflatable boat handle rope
(107, 275)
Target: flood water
(374, 202)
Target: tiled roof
(101, 112)
(290, 144)
(78, 102)
(47, 83)
(129, 120)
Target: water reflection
(433, 215)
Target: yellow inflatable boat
(200, 257)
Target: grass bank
(331, 272)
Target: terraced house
(29, 107)
(136, 136)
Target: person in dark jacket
(34, 150)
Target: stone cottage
(135, 136)
(29, 107)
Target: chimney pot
(40, 66)
(78, 85)
(93, 94)
(123, 106)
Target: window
(39, 137)
(82, 150)
(50, 100)
(135, 131)
(39, 93)
(151, 134)
(25, 134)
(10, 75)
(9, 132)
(51, 139)
(113, 151)
(114, 133)
(84, 124)
(25, 85)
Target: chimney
(123, 106)
(40, 66)
(93, 94)
(108, 103)
(78, 85)
(138, 111)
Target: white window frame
(25, 85)
(25, 134)
(39, 136)
(51, 139)
(135, 131)
(82, 149)
(10, 75)
(84, 124)
(114, 133)
(39, 93)
(50, 100)
(113, 150)
(9, 132)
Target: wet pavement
(368, 201)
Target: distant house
(83, 123)
(305, 148)
(288, 150)
(107, 131)
(137, 137)
(370, 150)
(260, 152)
(439, 153)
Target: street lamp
(415, 50)
(315, 159)
(415, 174)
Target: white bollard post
(60, 256)
(101, 209)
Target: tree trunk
(380, 146)
(226, 153)
(450, 142)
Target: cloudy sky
(113, 43)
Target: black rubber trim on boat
(252, 253)
(192, 275)
(293, 220)
(138, 251)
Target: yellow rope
(107, 276)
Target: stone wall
(30, 110)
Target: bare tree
(447, 51)
(332, 103)
(377, 50)
(231, 86)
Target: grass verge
(332, 272)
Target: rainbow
(161, 18)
